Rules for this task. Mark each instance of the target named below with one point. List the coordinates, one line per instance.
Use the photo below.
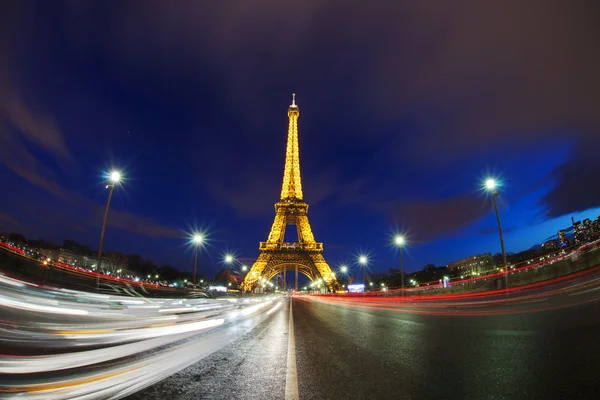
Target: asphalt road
(534, 346)
(536, 342)
(251, 366)
(369, 353)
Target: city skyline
(218, 264)
(391, 142)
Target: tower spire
(292, 184)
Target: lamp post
(362, 260)
(490, 185)
(344, 272)
(197, 239)
(399, 240)
(228, 261)
(114, 178)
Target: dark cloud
(251, 194)
(577, 188)
(7, 221)
(427, 220)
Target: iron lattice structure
(305, 255)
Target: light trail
(554, 294)
(64, 344)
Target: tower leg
(296, 287)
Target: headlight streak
(6, 302)
(123, 344)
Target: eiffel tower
(305, 255)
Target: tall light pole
(490, 185)
(114, 178)
(197, 239)
(228, 261)
(362, 260)
(344, 272)
(399, 240)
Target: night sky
(405, 108)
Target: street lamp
(362, 260)
(198, 240)
(228, 260)
(399, 240)
(244, 268)
(491, 185)
(344, 269)
(114, 178)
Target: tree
(17, 238)
(169, 273)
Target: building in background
(111, 262)
(578, 231)
(562, 238)
(596, 228)
(472, 265)
(588, 229)
(550, 244)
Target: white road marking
(534, 301)
(585, 291)
(291, 377)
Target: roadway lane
(392, 353)
(251, 366)
(538, 343)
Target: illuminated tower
(305, 255)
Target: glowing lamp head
(244, 268)
(490, 184)
(198, 239)
(343, 269)
(399, 240)
(362, 259)
(115, 176)
(228, 258)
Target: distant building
(111, 262)
(562, 238)
(588, 229)
(550, 244)
(578, 231)
(471, 265)
(596, 228)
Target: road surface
(539, 342)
